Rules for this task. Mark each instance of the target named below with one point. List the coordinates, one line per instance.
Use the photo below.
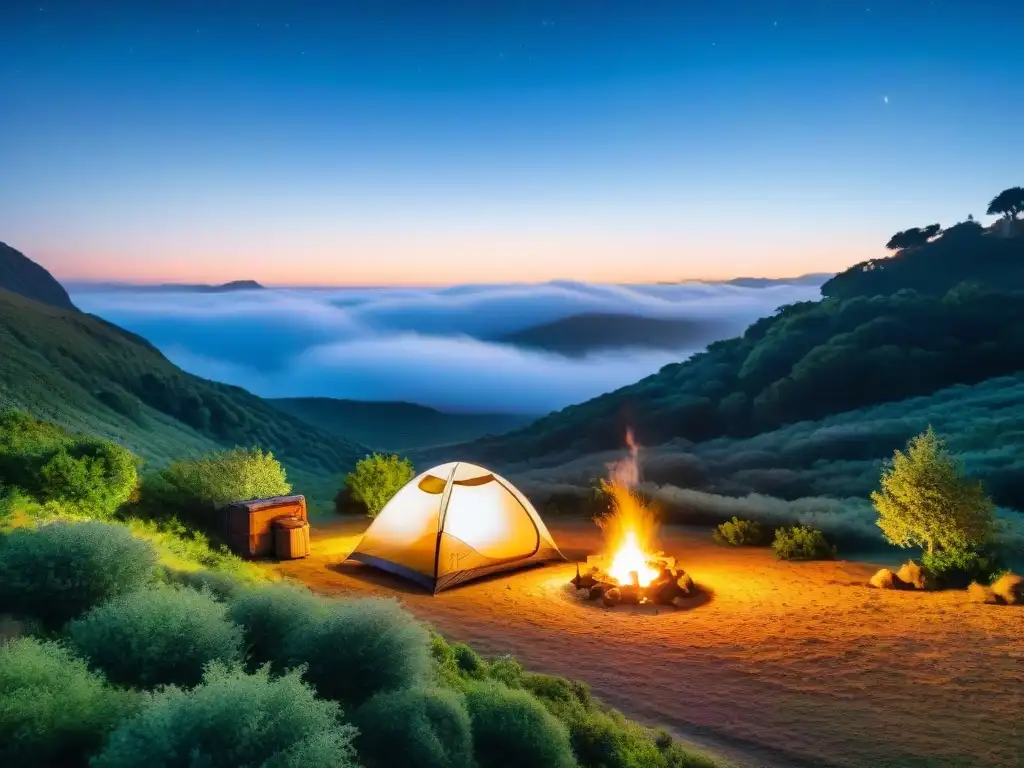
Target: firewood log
(611, 597)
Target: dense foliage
(53, 710)
(927, 501)
(157, 636)
(362, 647)
(420, 700)
(425, 727)
(268, 615)
(234, 718)
(96, 477)
(376, 479)
(740, 533)
(513, 729)
(61, 570)
(194, 489)
(801, 542)
(957, 568)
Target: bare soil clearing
(788, 664)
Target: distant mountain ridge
(234, 285)
(397, 426)
(20, 275)
(578, 335)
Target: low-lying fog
(435, 346)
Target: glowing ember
(629, 558)
(629, 527)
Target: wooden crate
(248, 525)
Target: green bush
(506, 669)
(740, 533)
(415, 726)
(193, 489)
(58, 571)
(53, 710)
(269, 614)
(957, 568)
(376, 479)
(235, 719)
(801, 542)
(512, 729)
(568, 700)
(157, 636)
(96, 477)
(360, 648)
(601, 740)
(223, 586)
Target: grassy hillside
(394, 426)
(579, 334)
(88, 375)
(808, 361)
(22, 276)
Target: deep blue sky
(441, 142)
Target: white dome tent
(454, 523)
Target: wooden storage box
(248, 525)
(291, 538)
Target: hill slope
(88, 375)
(396, 426)
(813, 359)
(578, 335)
(20, 275)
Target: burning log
(671, 587)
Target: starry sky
(413, 142)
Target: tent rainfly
(454, 523)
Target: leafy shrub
(95, 476)
(268, 614)
(600, 740)
(926, 500)
(956, 568)
(58, 571)
(360, 648)
(512, 729)
(415, 726)
(568, 700)
(468, 661)
(222, 586)
(376, 479)
(193, 489)
(49, 464)
(157, 636)
(53, 710)
(506, 669)
(233, 718)
(740, 533)
(801, 542)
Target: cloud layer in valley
(435, 346)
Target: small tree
(1007, 203)
(913, 238)
(194, 488)
(376, 479)
(926, 500)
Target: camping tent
(453, 523)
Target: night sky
(445, 142)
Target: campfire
(629, 571)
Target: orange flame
(629, 527)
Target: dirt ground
(789, 664)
